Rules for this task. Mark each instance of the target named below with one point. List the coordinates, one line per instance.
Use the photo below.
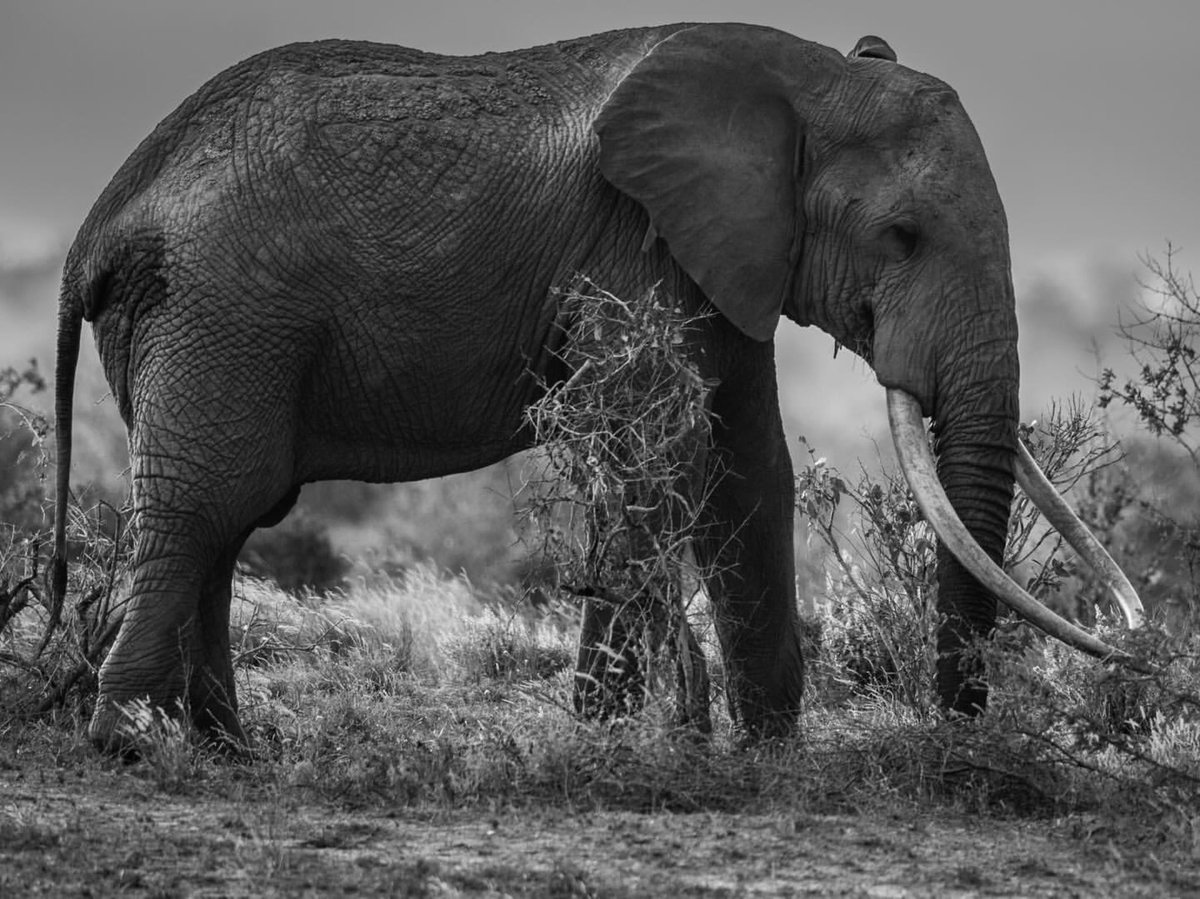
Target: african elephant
(340, 260)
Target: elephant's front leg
(745, 550)
(195, 502)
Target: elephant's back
(325, 80)
(280, 106)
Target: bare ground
(114, 833)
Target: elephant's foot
(765, 699)
(961, 676)
(106, 730)
(132, 728)
(768, 726)
(961, 686)
(128, 723)
(215, 715)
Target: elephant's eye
(899, 241)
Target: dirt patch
(62, 834)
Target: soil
(115, 833)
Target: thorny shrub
(1162, 338)
(48, 652)
(613, 499)
(22, 451)
(876, 613)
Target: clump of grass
(162, 742)
(375, 636)
(380, 616)
(499, 645)
(617, 496)
(378, 643)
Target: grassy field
(412, 738)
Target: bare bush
(877, 613)
(53, 651)
(22, 450)
(48, 651)
(878, 610)
(1162, 337)
(614, 497)
(1161, 334)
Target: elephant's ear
(704, 134)
(872, 47)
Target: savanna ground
(413, 731)
(411, 743)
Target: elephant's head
(854, 194)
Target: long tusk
(1039, 489)
(916, 459)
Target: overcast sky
(1088, 109)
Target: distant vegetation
(22, 461)
(397, 681)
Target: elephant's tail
(70, 325)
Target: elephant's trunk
(975, 423)
(968, 570)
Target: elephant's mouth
(862, 341)
(916, 459)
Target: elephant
(342, 260)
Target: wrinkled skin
(339, 260)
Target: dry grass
(419, 699)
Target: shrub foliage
(615, 499)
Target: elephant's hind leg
(159, 655)
(173, 647)
(212, 694)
